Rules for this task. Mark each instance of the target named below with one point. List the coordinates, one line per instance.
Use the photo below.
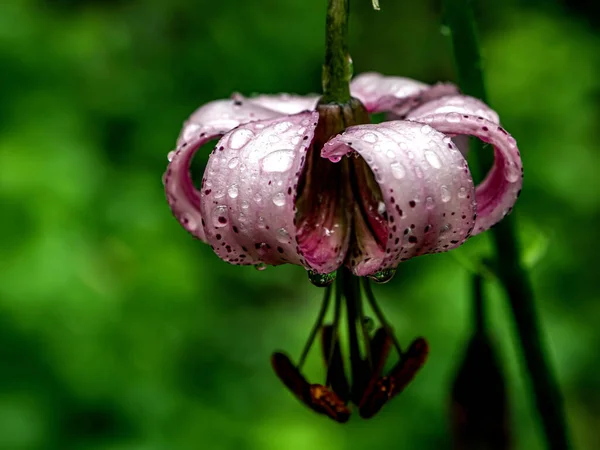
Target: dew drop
(397, 170)
(233, 191)
(282, 127)
(245, 205)
(433, 159)
(390, 154)
(171, 155)
(278, 161)
(462, 192)
(426, 129)
(383, 276)
(261, 222)
(233, 162)
(273, 139)
(283, 236)
(511, 173)
(453, 117)
(429, 203)
(219, 216)
(321, 279)
(188, 222)
(381, 208)
(370, 138)
(239, 138)
(279, 199)
(446, 196)
(260, 266)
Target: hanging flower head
(296, 180)
(319, 186)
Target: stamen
(335, 327)
(335, 367)
(380, 316)
(351, 289)
(316, 327)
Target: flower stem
(337, 69)
(458, 15)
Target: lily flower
(295, 180)
(291, 181)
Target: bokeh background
(118, 331)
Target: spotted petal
(499, 191)
(286, 103)
(461, 104)
(396, 95)
(427, 192)
(183, 197)
(220, 116)
(249, 192)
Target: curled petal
(249, 190)
(461, 104)
(427, 191)
(183, 197)
(220, 116)
(498, 192)
(286, 103)
(396, 95)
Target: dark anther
(317, 397)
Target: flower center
(341, 215)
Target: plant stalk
(458, 16)
(337, 69)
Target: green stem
(351, 290)
(316, 327)
(337, 69)
(458, 16)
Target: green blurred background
(118, 331)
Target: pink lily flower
(277, 190)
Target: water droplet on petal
(278, 161)
(381, 208)
(282, 127)
(426, 129)
(239, 138)
(233, 162)
(279, 199)
(260, 266)
(188, 222)
(321, 279)
(171, 155)
(390, 154)
(462, 192)
(283, 236)
(233, 191)
(370, 138)
(383, 276)
(219, 216)
(429, 203)
(511, 173)
(433, 159)
(445, 192)
(453, 117)
(397, 170)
